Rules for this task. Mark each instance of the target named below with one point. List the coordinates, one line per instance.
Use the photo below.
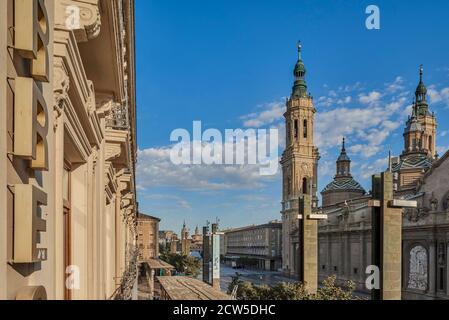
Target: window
(304, 186)
(356, 270)
(430, 144)
(305, 129)
(335, 268)
(296, 129)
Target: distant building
(148, 237)
(185, 241)
(255, 246)
(165, 238)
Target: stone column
(308, 246)
(432, 268)
(386, 238)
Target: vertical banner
(216, 256)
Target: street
(257, 277)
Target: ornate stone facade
(80, 165)
(345, 238)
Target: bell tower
(299, 161)
(419, 141)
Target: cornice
(89, 18)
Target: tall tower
(419, 141)
(299, 163)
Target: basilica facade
(344, 245)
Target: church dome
(343, 184)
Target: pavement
(257, 277)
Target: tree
(188, 265)
(291, 291)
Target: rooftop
(186, 288)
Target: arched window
(305, 184)
(296, 129)
(430, 144)
(305, 128)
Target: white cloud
(396, 85)
(437, 96)
(271, 113)
(370, 168)
(371, 98)
(155, 169)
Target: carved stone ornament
(60, 91)
(433, 203)
(416, 214)
(418, 267)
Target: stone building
(345, 238)
(185, 241)
(68, 144)
(262, 244)
(299, 164)
(148, 237)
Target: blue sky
(229, 64)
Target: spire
(343, 162)
(300, 87)
(420, 95)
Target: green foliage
(188, 265)
(291, 291)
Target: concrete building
(299, 165)
(255, 246)
(345, 238)
(148, 236)
(68, 144)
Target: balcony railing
(118, 117)
(128, 280)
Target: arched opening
(305, 129)
(305, 184)
(430, 144)
(296, 129)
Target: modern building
(148, 237)
(68, 143)
(299, 165)
(255, 246)
(345, 238)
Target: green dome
(299, 89)
(300, 69)
(421, 89)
